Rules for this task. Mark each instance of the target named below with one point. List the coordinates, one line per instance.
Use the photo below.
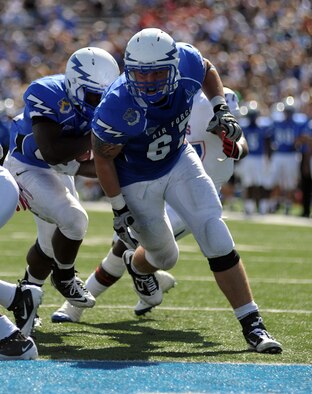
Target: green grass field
(194, 322)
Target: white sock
(6, 327)
(94, 286)
(245, 310)
(113, 265)
(7, 293)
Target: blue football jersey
(44, 97)
(5, 132)
(256, 136)
(153, 137)
(284, 133)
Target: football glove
(223, 120)
(122, 220)
(232, 149)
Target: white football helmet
(147, 51)
(89, 70)
(232, 101)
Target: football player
(15, 342)
(286, 127)
(255, 170)
(212, 150)
(143, 161)
(50, 143)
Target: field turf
(194, 323)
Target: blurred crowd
(261, 48)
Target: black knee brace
(223, 263)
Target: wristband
(217, 100)
(117, 202)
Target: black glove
(122, 220)
(223, 120)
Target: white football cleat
(166, 282)
(67, 313)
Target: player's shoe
(24, 306)
(67, 313)
(146, 285)
(18, 347)
(166, 282)
(261, 341)
(74, 291)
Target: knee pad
(223, 263)
(163, 258)
(75, 224)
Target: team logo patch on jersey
(65, 106)
(131, 116)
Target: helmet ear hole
(92, 70)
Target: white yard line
(192, 309)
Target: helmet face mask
(151, 52)
(153, 89)
(89, 71)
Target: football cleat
(24, 306)
(166, 282)
(74, 291)
(145, 285)
(67, 313)
(260, 340)
(18, 347)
